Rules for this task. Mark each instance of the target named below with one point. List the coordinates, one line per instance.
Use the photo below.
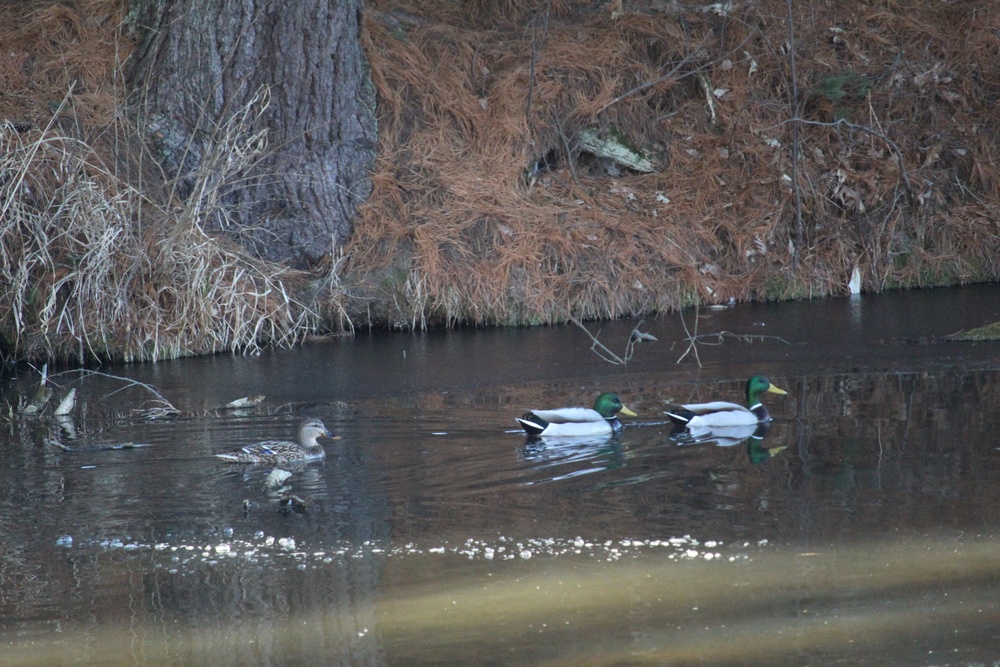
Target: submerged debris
(987, 332)
(276, 478)
(42, 395)
(642, 337)
(157, 412)
(98, 448)
(289, 502)
(243, 403)
(66, 405)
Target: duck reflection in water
(572, 456)
(729, 436)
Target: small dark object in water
(292, 503)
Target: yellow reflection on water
(891, 600)
(659, 611)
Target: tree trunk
(200, 63)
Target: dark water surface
(862, 529)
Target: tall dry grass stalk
(92, 268)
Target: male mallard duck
(721, 413)
(601, 420)
(276, 452)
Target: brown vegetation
(897, 172)
(98, 259)
(490, 205)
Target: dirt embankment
(494, 203)
(536, 159)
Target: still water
(862, 528)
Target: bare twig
(129, 382)
(718, 338)
(721, 336)
(535, 48)
(606, 354)
(796, 190)
(570, 160)
(896, 150)
(692, 339)
(597, 346)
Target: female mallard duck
(276, 452)
(573, 422)
(720, 413)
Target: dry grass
(93, 270)
(485, 209)
(97, 260)
(898, 171)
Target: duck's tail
(532, 424)
(680, 416)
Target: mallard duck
(276, 452)
(602, 419)
(721, 413)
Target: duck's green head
(610, 404)
(757, 385)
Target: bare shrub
(97, 259)
(94, 270)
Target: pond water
(862, 528)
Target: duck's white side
(714, 415)
(570, 422)
(577, 421)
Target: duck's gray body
(277, 452)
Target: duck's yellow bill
(626, 411)
(776, 390)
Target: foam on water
(261, 548)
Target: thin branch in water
(718, 338)
(601, 350)
(167, 406)
(691, 338)
(721, 336)
(597, 346)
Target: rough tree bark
(199, 62)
